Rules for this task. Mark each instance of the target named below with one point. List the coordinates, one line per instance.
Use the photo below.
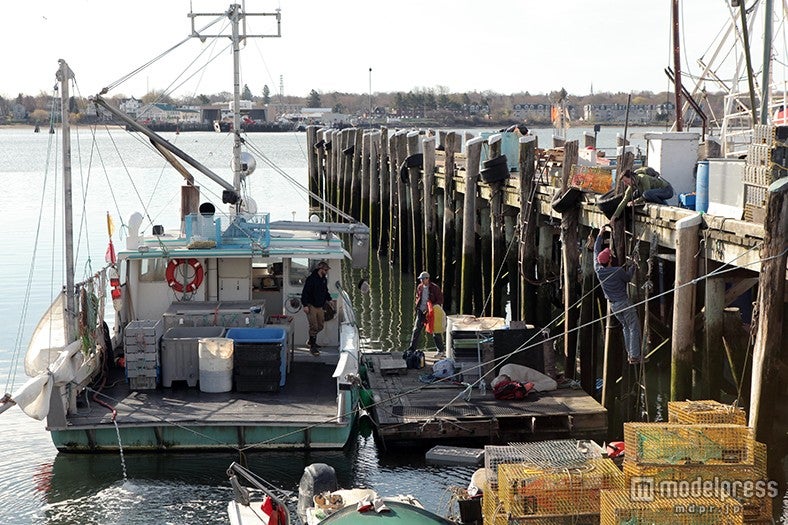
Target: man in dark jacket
(425, 291)
(314, 298)
(614, 280)
(643, 185)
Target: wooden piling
(373, 213)
(512, 272)
(416, 232)
(570, 224)
(384, 238)
(469, 259)
(498, 234)
(527, 230)
(682, 337)
(544, 311)
(449, 250)
(586, 340)
(713, 349)
(429, 208)
(769, 377)
(394, 224)
(366, 161)
(403, 225)
(312, 165)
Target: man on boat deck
(643, 185)
(314, 298)
(426, 292)
(614, 280)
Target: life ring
(193, 284)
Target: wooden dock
(411, 410)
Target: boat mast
(677, 64)
(766, 85)
(237, 16)
(64, 75)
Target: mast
(64, 75)
(766, 84)
(237, 16)
(677, 65)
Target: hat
(424, 275)
(604, 256)
(324, 265)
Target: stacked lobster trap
(767, 161)
(703, 466)
(546, 483)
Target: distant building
(130, 106)
(638, 113)
(532, 112)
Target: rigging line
(300, 186)
(12, 370)
(113, 85)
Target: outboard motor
(317, 478)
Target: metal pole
(677, 65)
(235, 15)
(370, 92)
(748, 60)
(767, 61)
(64, 75)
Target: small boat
(209, 347)
(319, 502)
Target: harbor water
(40, 486)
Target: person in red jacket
(426, 292)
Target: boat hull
(195, 438)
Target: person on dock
(426, 292)
(314, 297)
(614, 280)
(643, 185)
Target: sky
(505, 46)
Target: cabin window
(299, 271)
(152, 270)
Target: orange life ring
(179, 286)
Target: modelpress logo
(646, 489)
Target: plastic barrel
(216, 364)
(702, 187)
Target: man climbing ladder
(614, 280)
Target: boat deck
(412, 410)
(308, 397)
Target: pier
(501, 246)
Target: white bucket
(216, 364)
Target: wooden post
(512, 264)
(469, 266)
(403, 225)
(384, 237)
(344, 168)
(769, 381)
(336, 153)
(429, 210)
(366, 162)
(614, 357)
(687, 245)
(482, 292)
(496, 288)
(416, 208)
(323, 165)
(312, 165)
(713, 349)
(528, 218)
(589, 140)
(545, 265)
(570, 225)
(587, 341)
(374, 188)
(394, 225)
(448, 254)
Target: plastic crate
(142, 383)
(255, 352)
(180, 353)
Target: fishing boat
(208, 349)
(319, 502)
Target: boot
(313, 348)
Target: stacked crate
(700, 412)
(669, 466)
(259, 358)
(767, 161)
(546, 483)
(141, 351)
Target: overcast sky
(504, 46)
